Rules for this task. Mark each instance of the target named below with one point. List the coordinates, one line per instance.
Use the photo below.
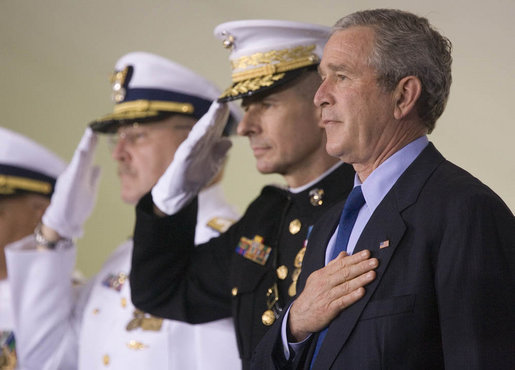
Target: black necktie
(348, 218)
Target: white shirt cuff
(295, 346)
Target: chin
(333, 150)
(265, 168)
(130, 198)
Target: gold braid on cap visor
(9, 185)
(273, 63)
(146, 108)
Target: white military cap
(268, 53)
(26, 166)
(149, 88)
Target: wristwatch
(62, 243)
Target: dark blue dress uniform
(248, 273)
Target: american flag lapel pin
(384, 244)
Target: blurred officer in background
(28, 173)
(157, 104)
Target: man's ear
(406, 95)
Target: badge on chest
(7, 350)
(144, 321)
(254, 249)
(115, 281)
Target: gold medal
(134, 344)
(7, 358)
(295, 226)
(151, 323)
(272, 296)
(268, 317)
(295, 274)
(282, 272)
(299, 258)
(133, 324)
(292, 290)
(144, 321)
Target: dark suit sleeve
(170, 277)
(269, 354)
(475, 285)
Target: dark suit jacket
(444, 296)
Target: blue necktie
(348, 218)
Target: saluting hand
(197, 160)
(75, 191)
(329, 291)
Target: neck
(405, 134)
(302, 176)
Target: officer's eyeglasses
(135, 134)
(128, 137)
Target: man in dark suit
(444, 292)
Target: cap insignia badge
(119, 81)
(228, 41)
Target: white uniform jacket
(96, 326)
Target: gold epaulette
(220, 224)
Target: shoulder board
(220, 224)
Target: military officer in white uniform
(28, 173)
(157, 103)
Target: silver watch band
(62, 243)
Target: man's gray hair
(407, 45)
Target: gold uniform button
(268, 317)
(295, 226)
(124, 302)
(106, 360)
(234, 291)
(282, 272)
